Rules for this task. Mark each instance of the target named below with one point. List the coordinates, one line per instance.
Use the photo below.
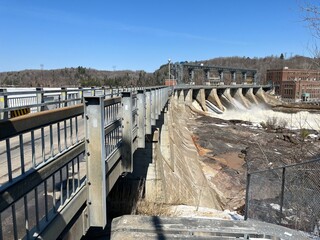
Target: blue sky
(142, 35)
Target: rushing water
(259, 114)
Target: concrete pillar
(95, 159)
(244, 74)
(141, 118)
(240, 98)
(40, 99)
(181, 96)
(213, 98)
(254, 78)
(207, 76)
(191, 74)
(175, 94)
(3, 104)
(148, 111)
(221, 77)
(153, 106)
(188, 98)
(234, 78)
(127, 126)
(251, 96)
(201, 98)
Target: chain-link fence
(289, 196)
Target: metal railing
(42, 99)
(288, 196)
(59, 165)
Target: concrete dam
(176, 174)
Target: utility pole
(169, 61)
(41, 67)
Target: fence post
(247, 197)
(4, 104)
(141, 118)
(282, 193)
(63, 100)
(40, 99)
(153, 107)
(148, 111)
(80, 94)
(127, 125)
(157, 104)
(93, 91)
(96, 169)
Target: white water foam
(257, 115)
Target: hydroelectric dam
(61, 161)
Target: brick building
(295, 84)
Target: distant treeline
(84, 77)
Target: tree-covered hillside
(81, 76)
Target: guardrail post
(80, 94)
(148, 111)
(3, 104)
(93, 91)
(96, 170)
(141, 118)
(63, 98)
(40, 99)
(157, 104)
(153, 107)
(127, 127)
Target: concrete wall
(175, 176)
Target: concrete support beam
(148, 111)
(96, 171)
(141, 118)
(127, 136)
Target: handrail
(47, 156)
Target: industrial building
(295, 85)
